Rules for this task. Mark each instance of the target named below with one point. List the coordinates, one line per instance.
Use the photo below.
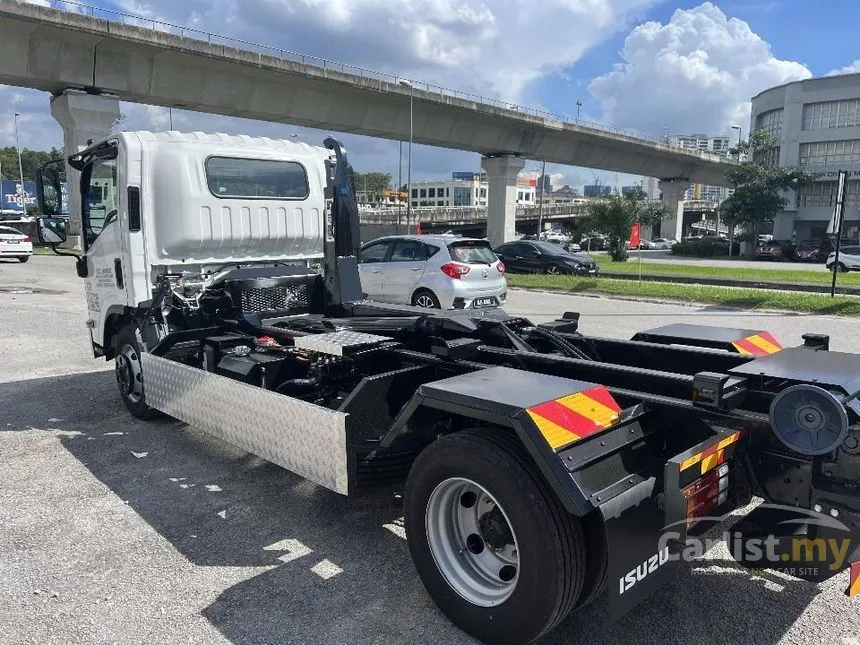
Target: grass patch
(725, 296)
(729, 273)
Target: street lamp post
(400, 188)
(20, 166)
(740, 136)
(578, 107)
(406, 83)
(540, 199)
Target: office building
(596, 190)
(465, 189)
(816, 123)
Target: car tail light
(706, 493)
(455, 270)
(26, 239)
(501, 267)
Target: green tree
(373, 183)
(759, 183)
(615, 216)
(30, 162)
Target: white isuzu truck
(541, 466)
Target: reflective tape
(574, 417)
(854, 585)
(712, 456)
(761, 344)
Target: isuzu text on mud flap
(539, 465)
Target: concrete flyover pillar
(502, 174)
(83, 117)
(673, 196)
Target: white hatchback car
(14, 244)
(441, 271)
(849, 259)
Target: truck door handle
(377, 271)
(416, 268)
(117, 272)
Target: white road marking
(294, 549)
(326, 569)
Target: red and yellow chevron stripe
(712, 456)
(854, 585)
(574, 417)
(760, 344)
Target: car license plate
(12, 241)
(484, 302)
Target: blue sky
(642, 65)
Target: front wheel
(553, 269)
(129, 374)
(23, 258)
(490, 541)
(840, 267)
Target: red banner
(634, 235)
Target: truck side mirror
(51, 230)
(49, 192)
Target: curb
(743, 284)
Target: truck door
(103, 240)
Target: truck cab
(189, 205)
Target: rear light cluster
(501, 267)
(707, 493)
(26, 239)
(455, 270)
(12, 239)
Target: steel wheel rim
(425, 301)
(552, 269)
(128, 373)
(472, 542)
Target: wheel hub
(128, 373)
(472, 542)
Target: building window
(447, 191)
(767, 157)
(431, 192)
(483, 193)
(414, 193)
(414, 204)
(519, 195)
(461, 196)
(823, 194)
(771, 123)
(831, 114)
(825, 153)
(423, 192)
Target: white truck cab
(188, 205)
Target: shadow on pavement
(221, 507)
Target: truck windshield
(256, 178)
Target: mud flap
(641, 560)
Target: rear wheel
(492, 544)
(23, 258)
(129, 374)
(426, 299)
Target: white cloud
(853, 68)
(494, 47)
(696, 73)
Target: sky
(645, 65)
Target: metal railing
(346, 68)
(446, 214)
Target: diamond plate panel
(304, 438)
(336, 342)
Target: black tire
(550, 542)
(841, 267)
(426, 299)
(23, 258)
(129, 376)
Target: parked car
(594, 243)
(14, 244)
(438, 271)
(775, 250)
(849, 259)
(555, 236)
(664, 243)
(812, 250)
(544, 257)
(573, 247)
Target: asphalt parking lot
(117, 531)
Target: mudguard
(740, 341)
